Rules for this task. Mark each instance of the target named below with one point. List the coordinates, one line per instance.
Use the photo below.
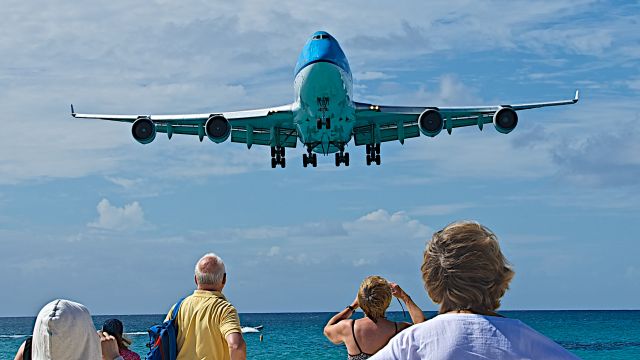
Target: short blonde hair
(374, 297)
(464, 269)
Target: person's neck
(471, 311)
(209, 289)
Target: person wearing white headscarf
(64, 330)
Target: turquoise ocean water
(588, 334)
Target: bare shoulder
(344, 324)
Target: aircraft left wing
(379, 123)
(270, 126)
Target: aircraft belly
(324, 95)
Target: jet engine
(430, 122)
(217, 128)
(143, 130)
(505, 120)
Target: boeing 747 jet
(324, 118)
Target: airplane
(324, 118)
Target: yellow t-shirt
(204, 320)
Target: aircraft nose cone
(322, 47)
(324, 50)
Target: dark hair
(115, 328)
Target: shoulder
(225, 306)
(343, 325)
(534, 343)
(407, 344)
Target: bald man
(208, 325)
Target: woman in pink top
(115, 328)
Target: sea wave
(600, 346)
(13, 336)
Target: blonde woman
(465, 272)
(364, 337)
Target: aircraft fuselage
(324, 112)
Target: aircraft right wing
(379, 123)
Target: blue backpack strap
(174, 313)
(173, 346)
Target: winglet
(73, 112)
(577, 97)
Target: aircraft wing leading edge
(381, 123)
(259, 121)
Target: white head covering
(64, 331)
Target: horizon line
(332, 312)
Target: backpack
(162, 338)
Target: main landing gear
(309, 158)
(373, 154)
(342, 158)
(277, 157)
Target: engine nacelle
(430, 122)
(505, 120)
(143, 130)
(217, 128)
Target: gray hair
(210, 270)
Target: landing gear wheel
(337, 159)
(315, 160)
(282, 151)
(283, 163)
(377, 148)
(368, 147)
(345, 159)
(328, 122)
(273, 163)
(377, 159)
(305, 160)
(368, 160)
(273, 151)
(319, 124)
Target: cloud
(275, 250)
(100, 73)
(44, 264)
(372, 75)
(124, 182)
(634, 84)
(385, 225)
(128, 217)
(361, 262)
(606, 159)
(368, 237)
(440, 209)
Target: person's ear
(195, 279)
(224, 279)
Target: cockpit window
(321, 36)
